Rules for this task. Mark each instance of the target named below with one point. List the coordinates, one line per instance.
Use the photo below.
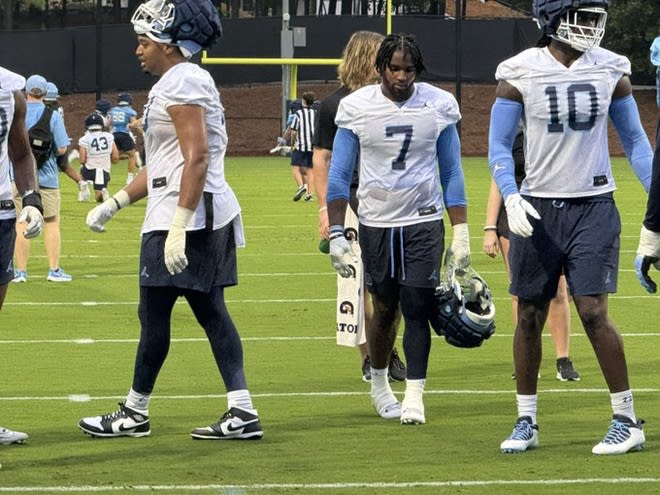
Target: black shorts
(7, 240)
(211, 260)
(301, 158)
(124, 141)
(409, 255)
(577, 236)
(90, 175)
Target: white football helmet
(154, 19)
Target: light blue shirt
(48, 174)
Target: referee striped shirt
(303, 124)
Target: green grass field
(68, 350)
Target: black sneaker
(396, 370)
(565, 371)
(235, 424)
(125, 422)
(300, 192)
(366, 370)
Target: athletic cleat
(366, 370)
(235, 424)
(300, 192)
(525, 436)
(308, 197)
(386, 404)
(623, 436)
(58, 276)
(7, 437)
(125, 422)
(565, 371)
(412, 412)
(396, 370)
(20, 277)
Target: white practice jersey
(399, 176)
(185, 84)
(99, 149)
(565, 120)
(9, 82)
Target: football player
(192, 223)
(98, 152)
(404, 135)
(122, 118)
(563, 218)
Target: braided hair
(407, 43)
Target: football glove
(99, 216)
(648, 253)
(175, 244)
(517, 210)
(340, 249)
(34, 220)
(460, 245)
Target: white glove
(460, 245)
(99, 216)
(175, 244)
(648, 253)
(84, 193)
(34, 220)
(517, 210)
(340, 248)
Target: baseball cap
(36, 85)
(52, 93)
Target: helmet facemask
(575, 30)
(154, 19)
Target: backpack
(41, 139)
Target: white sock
(414, 390)
(379, 378)
(129, 178)
(240, 398)
(622, 403)
(527, 406)
(138, 401)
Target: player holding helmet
(564, 217)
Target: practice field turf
(68, 349)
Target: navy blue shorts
(301, 158)
(124, 141)
(90, 175)
(409, 256)
(211, 260)
(7, 240)
(578, 236)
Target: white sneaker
(623, 436)
(412, 412)
(525, 436)
(8, 437)
(386, 403)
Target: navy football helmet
(94, 122)
(124, 99)
(190, 24)
(563, 21)
(465, 314)
(103, 106)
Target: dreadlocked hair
(407, 43)
(358, 65)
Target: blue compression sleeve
(448, 149)
(504, 118)
(345, 149)
(626, 120)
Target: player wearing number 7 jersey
(564, 218)
(98, 152)
(404, 135)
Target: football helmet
(94, 122)
(465, 314)
(124, 99)
(189, 24)
(564, 20)
(103, 106)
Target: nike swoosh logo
(231, 427)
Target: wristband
(33, 198)
(322, 208)
(489, 227)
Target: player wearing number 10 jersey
(564, 219)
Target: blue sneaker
(525, 436)
(624, 435)
(58, 276)
(20, 277)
